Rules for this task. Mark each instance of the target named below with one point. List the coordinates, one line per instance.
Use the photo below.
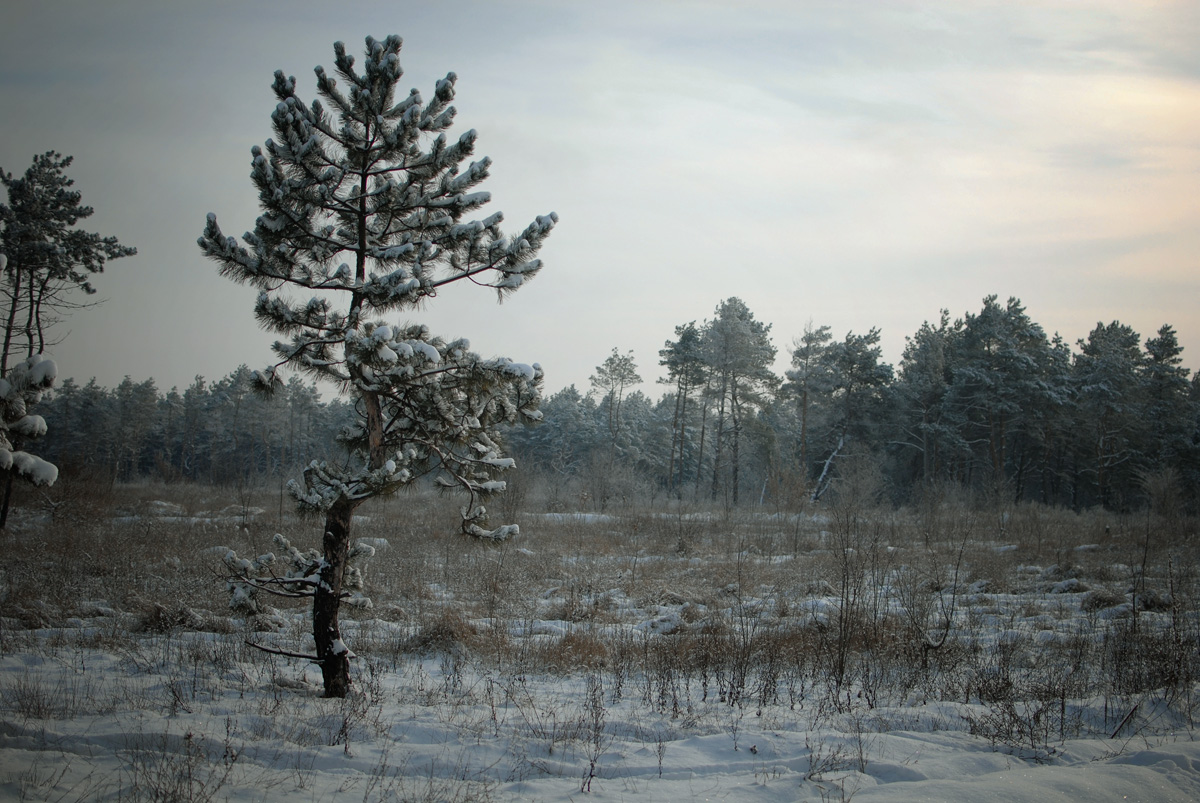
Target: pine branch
(465, 275)
(273, 651)
(266, 584)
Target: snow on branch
(22, 389)
(292, 575)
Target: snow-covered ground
(560, 668)
(195, 717)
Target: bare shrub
(402, 783)
(158, 618)
(448, 631)
(1140, 660)
(697, 621)
(596, 735)
(572, 651)
(82, 493)
(30, 697)
(1099, 599)
(177, 768)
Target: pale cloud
(857, 165)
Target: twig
(285, 653)
(1125, 721)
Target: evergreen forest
(986, 402)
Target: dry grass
(749, 607)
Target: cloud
(858, 165)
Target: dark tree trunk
(331, 651)
(675, 440)
(719, 436)
(6, 505)
(10, 324)
(700, 450)
(736, 416)
(682, 436)
(804, 433)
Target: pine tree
(136, 405)
(1110, 389)
(47, 258)
(924, 380)
(570, 433)
(617, 373)
(684, 361)
(1169, 409)
(376, 182)
(1001, 374)
(855, 408)
(739, 354)
(19, 391)
(808, 380)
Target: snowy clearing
(639, 656)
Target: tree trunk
(804, 433)
(719, 436)
(331, 651)
(682, 436)
(735, 415)
(39, 323)
(675, 440)
(29, 322)
(996, 449)
(700, 450)
(6, 505)
(10, 323)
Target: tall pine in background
(44, 259)
(363, 208)
(47, 258)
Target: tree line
(219, 432)
(986, 402)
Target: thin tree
(366, 203)
(49, 260)
(614, 376)
(808, 379)
(684, 361)
(739, 354)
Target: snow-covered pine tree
(364, 203)
(20, 390)
(684, 361)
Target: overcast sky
(855, 164)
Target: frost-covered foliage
(19, 391)
(364, 206)
(367, 204)
(442, 403)
(291, 574)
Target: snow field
(635, 655)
